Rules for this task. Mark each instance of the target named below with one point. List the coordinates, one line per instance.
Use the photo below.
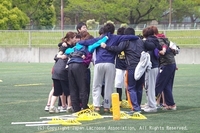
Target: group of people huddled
(114, 57)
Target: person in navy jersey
(120, 66)
(165, 79)
(132, 49)
(104, 69)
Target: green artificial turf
(24, 91)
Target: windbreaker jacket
(79, 50)
(144, 65)
(168, 58)
(103, 55)
(59, 71)
(132, 50)
(153, 58)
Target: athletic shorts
(119, 78)
(60, 86)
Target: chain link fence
(181, 34)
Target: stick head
(138, 116)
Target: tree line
(17, 14)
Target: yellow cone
(115, 106)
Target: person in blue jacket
(105, 66)
(132, 50)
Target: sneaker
(70, 110)
(97, 110)
(63, 109)
(47, 108)
(129, 112)
(59, 107)
(163, 105)
(144, 107)
(133, 111)
(170, 107)
(160, 106)
(149, 109)
(106, 111)
(53, 110)
(173, 107)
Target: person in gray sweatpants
(151, 75)
(132, 50)
(101, 71)
(105, 67)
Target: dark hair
(68, 36)
(144, 32)
(79, 25)
(85, 35)
(120, 31)
(78, 35)
(150, 31)
(109, 27)
(147, 32)
(101, 31)
(59, 44)
(129, 31)
(155, 29)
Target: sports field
(24, 89)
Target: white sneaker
(70, 110)
(59, 107)
(47, 108)
(170, 107)
(53, 110)
(144, 107)
(63, 109)
(149, 109)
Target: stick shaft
(57, 116)
(36, 122)
(33, 125)
(65, 118)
